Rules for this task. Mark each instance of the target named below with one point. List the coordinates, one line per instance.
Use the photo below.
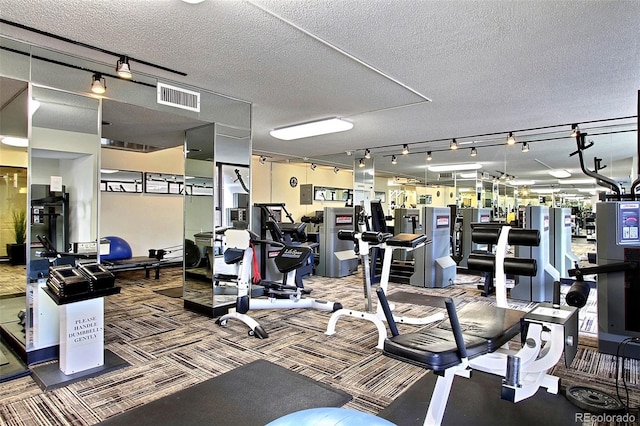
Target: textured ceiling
(487, 66)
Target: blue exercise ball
(119, 249)
(330, 416)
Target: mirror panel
(64, 157)
(121, 181)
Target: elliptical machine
(239, 250)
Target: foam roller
(485, 235)
(578, 294)
(524, 237)
(518, 266)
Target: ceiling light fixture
(312, 128)
(559, 173)
(474, 152)
(394, 160)
(14, 141)
(453, 167)
(453, 144)
(336, 170)
(405, 149)
(361, 163)
(122, 68)
(429, 157)
(525, 147)
(575, 130)
(577, 181)
(367, 153)
(349, 153)
(262, 159)
(98, 84)
(313, 167)
(511, 139)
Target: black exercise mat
(417, 299)
(254, 394)
(174, 292)
(477, 402)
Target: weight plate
(593, 400)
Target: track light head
(575, 130)
(429, 157)
(405, 149)
(453, 144)
(98, 84)
(262, 159)
(122, 68)
(349, 153)
(474, 152)
(511, 139)
(367, 153)
(394, 160)
(336, 170)
(525, 147)
(313, 167)
(361, 162)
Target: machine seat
(407, 240)
(232, 255)
(485, 328)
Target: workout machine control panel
(627, 219)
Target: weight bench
(478, 339)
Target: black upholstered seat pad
(496, 325)
(485, 328)
(432, 348)
(406, 240)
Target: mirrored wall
(217, 181)
(111, 165)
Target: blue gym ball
(330, 416)
(119, 249)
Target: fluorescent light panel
(559, 173)
(14, 141)
(576, 181)
(452, 167)
(314, 128)
(523, 182)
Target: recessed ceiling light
(313, 128)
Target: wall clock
(293, 182)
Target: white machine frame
(241, 239)
(378, 317)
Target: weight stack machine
(434, 266)
(537, 288)
(618, 244)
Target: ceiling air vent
(446, 175)
(179, 98)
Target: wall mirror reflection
(14, 100)
(217, 181)
(163, 183)
(63, 202)
(121, 181)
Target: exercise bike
(239, 251)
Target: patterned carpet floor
(170, 348)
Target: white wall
(145, 221)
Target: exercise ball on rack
(119, 249)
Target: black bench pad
(485, 328)
(406, 240)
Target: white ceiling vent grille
(178, 97)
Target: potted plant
(18, 252)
